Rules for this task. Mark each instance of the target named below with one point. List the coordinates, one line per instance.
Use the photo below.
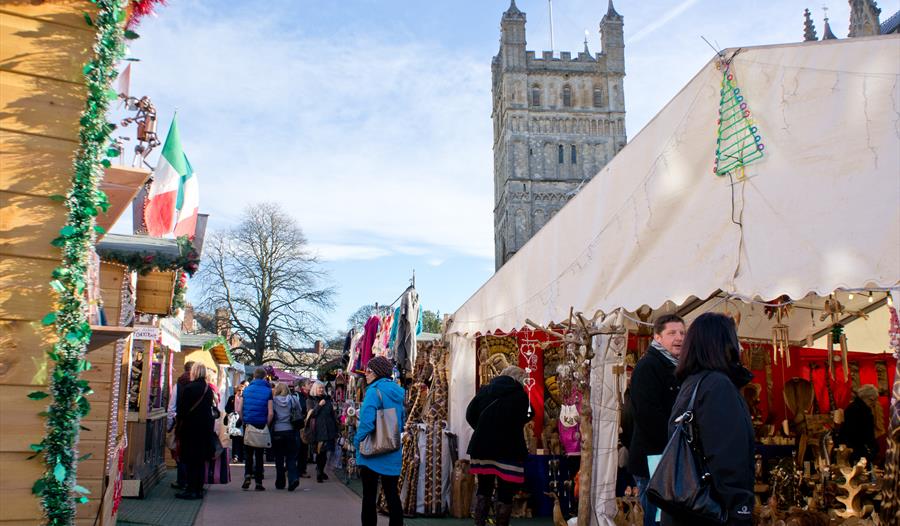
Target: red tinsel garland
(140, 9)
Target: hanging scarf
(665, 352)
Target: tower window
(567, 96)
(598, 97)
(574, 155)
(561, 154)
(535, 95)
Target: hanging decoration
(834, 309)
(781, 342)
(142, 8)
(890, 508)
(57, 487)
(738, 142)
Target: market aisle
(330, 503)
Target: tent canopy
(818, 212)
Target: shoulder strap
(690, 406)
(202, 396)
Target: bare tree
(273, 288)
(358, 319)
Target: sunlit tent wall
(657, 227)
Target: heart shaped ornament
(529, 383)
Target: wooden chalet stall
(149, 359)
(42, 94)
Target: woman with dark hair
(194, 428)
(322, 416)
(710, 356)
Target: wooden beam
(847, 319)
(695, 304)
(103, 335)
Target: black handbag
(681, 485)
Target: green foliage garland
(143, 262)
(57, 487)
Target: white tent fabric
(817, 213)
(819, 210)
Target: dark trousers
(253, 463)
(302, 456)
(321, 457)
(194, 471)
(505, 489)
(181, 478)
(370, 497)
(285, 445)
(237, 448)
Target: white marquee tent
(820, 211)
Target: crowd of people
(690, 373)
(295, 423)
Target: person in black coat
(652, 392)
(711, 356)
(497, 449)
(194, 424)
(321, 409)
(858, 430)
(301, 391)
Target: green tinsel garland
(143, 262)
(57, 487)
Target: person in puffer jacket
(382, 393)
(255, 408)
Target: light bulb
(890, 300)
(850, 296)
(871, 298)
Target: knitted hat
(381, 366)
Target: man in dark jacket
(301, 391)
(498, 414)
(653, 392)
(858, 429)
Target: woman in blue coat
(385, 466)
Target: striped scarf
(665, 352)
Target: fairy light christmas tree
(738, 143)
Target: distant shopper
(194, 429)
(172, 410)
(235, 424)
(712, 357)
(284, 438)
(498, 414)
(381, 394)
(301, 391)
(323, 417)
(653, 391)
(858, 430)
(255, 408)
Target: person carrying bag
(706, 474)
(379, 453)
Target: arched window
(574, 155)
(536, 95)
(567, 96)
(598, 97)
(561, 154)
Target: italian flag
(188, 203)
(159, 212)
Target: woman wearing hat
(381, 393)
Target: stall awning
(120, 184)
(216, 345)
(817, 213)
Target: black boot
(503, 511)
(482, 505)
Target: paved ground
(327, 504)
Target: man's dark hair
(711, 344)
(659, 325)
(259, 373)
(187, 366)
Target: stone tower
(864, 18)
(557, 121)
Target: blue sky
(369, 121)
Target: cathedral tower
(557, 121)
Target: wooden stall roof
(121, 184)
(156, 288)
(215, 344)
(102, 335)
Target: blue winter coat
(391, 397)
(256, 403)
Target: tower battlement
(558, 119)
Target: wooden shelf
(121, 184)
(102, 335)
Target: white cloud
(436, 262)
(336, 252)
(655, 25)
(357, 137)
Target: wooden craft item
(856, 485)
(462, 487)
